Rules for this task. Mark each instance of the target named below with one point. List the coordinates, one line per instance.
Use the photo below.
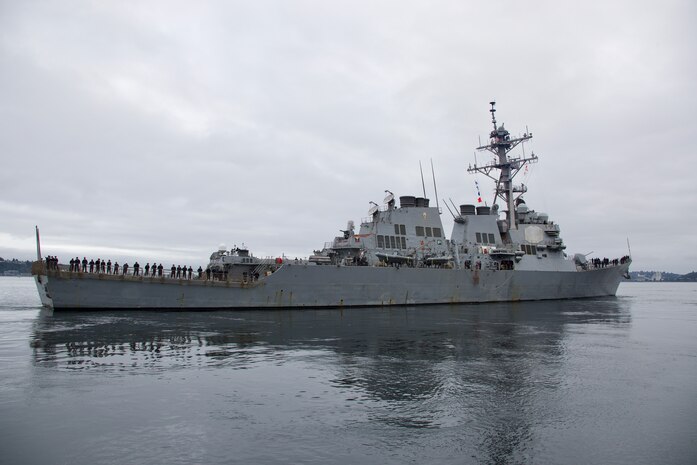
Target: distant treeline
(21, 267)
(662, 276)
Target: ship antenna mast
(500, 144)
(435, 188)
(423, 184)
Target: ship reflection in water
(480, 378)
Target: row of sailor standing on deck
(101, 266)
(106, 267)
(51, 262)
(606, 262)
(180, 272)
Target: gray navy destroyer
(399, 255)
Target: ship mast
(500, 144)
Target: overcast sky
(158, 130)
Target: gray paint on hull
(325, 286)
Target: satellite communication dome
(222, 248)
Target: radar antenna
(373, 210)
(500, 144)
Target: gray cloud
(158, 130)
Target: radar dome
(222, 248)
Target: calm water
(595, 381)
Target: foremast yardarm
(500, 144)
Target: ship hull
(302, 286)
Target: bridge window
(392, 241)
(381, 242)
(420, 231)
(529, 249)
(404, 242)
(437, 232)
(400, 229)
(429, 233)
(492, 240)
(479, 238)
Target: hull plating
(327, 286)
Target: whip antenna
(38, 244)
(435, 189)
(451, 212)
(423, 184)
(629, 249)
